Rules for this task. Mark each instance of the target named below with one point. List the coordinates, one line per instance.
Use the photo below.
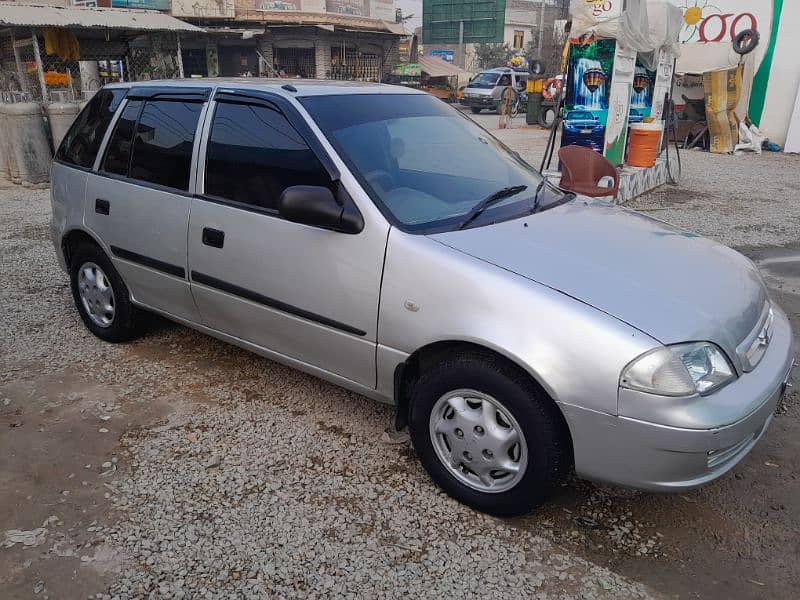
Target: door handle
(213, 237)
(102, 207)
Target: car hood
(673, 285)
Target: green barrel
(534, 108)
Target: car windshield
(425, 164)
(580, 115)
(484, 80)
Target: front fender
(433, 293)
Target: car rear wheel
(101, 296)
(487, 434)
(475, 110)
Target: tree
(489, 56)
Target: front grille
(755, 345)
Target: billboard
(203, 8)
(588, 93)
(445, 55)
(376, 9)
(483, 21)
(142, 4)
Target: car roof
(302, 87)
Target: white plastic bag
(750, 139)
(598, 17)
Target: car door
(138, 199)
(303, 292)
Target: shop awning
(436, 67)
(25, 15)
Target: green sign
(483, 21)
(408, 70)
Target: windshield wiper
(538, 191)
(567, 196)
(494, 198)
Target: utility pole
(541, 29)
(461, 58)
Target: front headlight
(679, 370)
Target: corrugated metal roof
(290, 17)
(13, 14)
(436, 67)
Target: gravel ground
(258, 481)
(741, 201)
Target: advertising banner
(203, 8)
(356, 8)
(641, 93)
(588, 91)
(142, 4)
(619, 104)
(446, 55)
(722, 20)
(278, 5)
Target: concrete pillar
(265, 47)
(212, 58)
(322, 56)
(90, 77)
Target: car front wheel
(475, 110)
(488, 435)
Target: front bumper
(480, 101)
(667, 458)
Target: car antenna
(289, 87)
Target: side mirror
(316, 205)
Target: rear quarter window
(83, 139)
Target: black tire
(549, 446)
(475, 110)
(124, 325)
(536, 67)
(547, 117)
(746, 41)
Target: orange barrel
(644, 143)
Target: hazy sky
(411, 7)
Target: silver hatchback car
(377, 238)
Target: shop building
(337, 39)
(771, 80)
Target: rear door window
(83, 139)
(254, 154)
(162, 145)
(118, 154)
